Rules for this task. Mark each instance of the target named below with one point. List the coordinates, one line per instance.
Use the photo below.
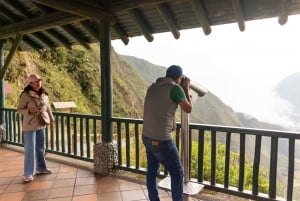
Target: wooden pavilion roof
(54, 23)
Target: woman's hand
(34, 110)
(51, 125)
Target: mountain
(208, 109)
(288, 90)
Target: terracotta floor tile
(85, 181)
(38, 185)
(107, 180)
(15, 162)
(161, 193)
(45, 177)
(12, 196)
(37, 195)
(2, 188)
(5, 180)
(18, 180)
(66, 175)
(92, 197)
(110, 196)
(65, 168)
(13, 188)
(12, 173)
(61, 192)
(85, 190)
(110, 187)
(66, 183)
(125, 186)
(61, 199)
(63, 183)
(85, 173)
(15, 167)
(133, 195)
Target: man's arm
(186, 105)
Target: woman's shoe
(44, 171)
(28, 178)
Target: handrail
(75, 135)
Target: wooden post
(2, 92)
(106, 79)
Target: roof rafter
(38, 24)
(90, 28)
(141, 24)
(200, 12)
(32, 43)
(284, 11)
(70, 30)
(122, 34)
(75, 7)
(118, 6)
(44, 39)
(59, 37)
(20, 10)
(168, 18)
(239, 14)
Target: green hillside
(74, 75)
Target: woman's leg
(29, 152)
(40, 150)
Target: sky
(241, 68)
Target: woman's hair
(29, 88)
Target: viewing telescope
(200, 90)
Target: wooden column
(2, 92)
(106, 79)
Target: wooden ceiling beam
(239, 14)
(284, 11)
(32, 43)
(6, 17)
(17, 6)
(121, 32)
(141, 24)
(44, 39)
(168, 19)
(200, 12)
(71, 31)
(91, 29)
(38, 24)
(126, 5)
(59, 37)
(75, 7)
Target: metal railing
(254, 157)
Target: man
(161, 102)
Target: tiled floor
(66, 183)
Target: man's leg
(152, 171)
(173, 165)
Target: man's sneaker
(28, 178)
(44, 171)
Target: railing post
(2, 91)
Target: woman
(34, 103)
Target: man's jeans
(34, 149)
(166, 153)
